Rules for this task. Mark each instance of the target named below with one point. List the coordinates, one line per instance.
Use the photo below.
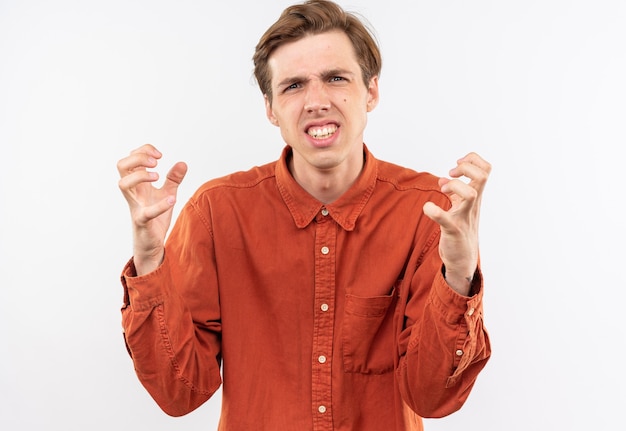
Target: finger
(136, 161)
(467, 192)
(144, 156)
(148, 149)
(475, 159)
(477, 173)
(135, 178)
(470, 170)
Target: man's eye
(292, 86)
(336, 79)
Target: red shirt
(323, 317)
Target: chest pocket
(368, 334)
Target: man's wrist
(460, 282)
(146, 264)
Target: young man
(338, 292)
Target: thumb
(175, 176)
(434, 212)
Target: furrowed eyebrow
(337, 72)
(288, 81)
(325, 75)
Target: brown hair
(315, 17)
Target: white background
(536, 86)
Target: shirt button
(321, 409)
(470, 311)
(324, 307)
(322, 359)
(325, 250)
(324, 212)
(459, 352)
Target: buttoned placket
(323, 324)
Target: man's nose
(316, 97)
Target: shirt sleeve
(174, 342)
(443, 344)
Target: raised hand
(150, 207)
(458, 246)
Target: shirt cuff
(452, 304)
(143, 291)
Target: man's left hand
(458, 246)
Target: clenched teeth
(322, 132)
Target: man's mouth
(322, 132)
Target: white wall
(537, 87)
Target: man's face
(320, 102)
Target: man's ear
(372, 94)
(269, 111)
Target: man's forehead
(313, 55)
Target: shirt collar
(345, 210)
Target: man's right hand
(150, 208)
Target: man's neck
(326, 185)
